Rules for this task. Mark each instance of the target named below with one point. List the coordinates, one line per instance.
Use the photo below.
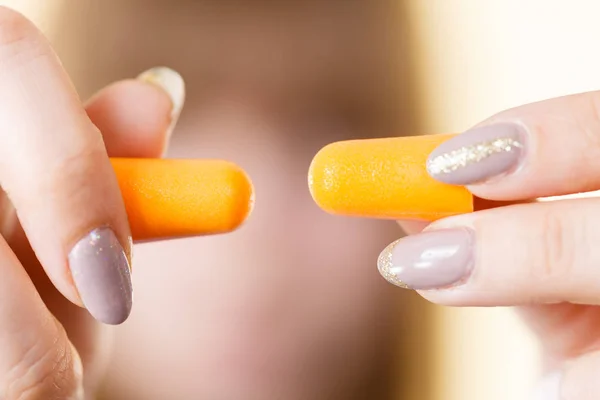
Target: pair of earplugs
(374, 178)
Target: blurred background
(327, 70)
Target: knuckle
(76, 165)
(555, 256)
(590, 126)
(78, 168)
(48, 369)
(72, 177)
(588, 123)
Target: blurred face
(291, 305)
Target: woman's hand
(542, 256)
(63, 217)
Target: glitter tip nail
(384, 265)
(429, 260)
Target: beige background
(476, 58)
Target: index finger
(549, 148)
(54, 167)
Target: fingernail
(430, 260)
(101, 273)
(172, 84)
(478, 155)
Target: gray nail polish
(101, 273)
(478, 154)
(430, 260)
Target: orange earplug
(384, 178)
(174, 198)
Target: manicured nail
(101, 273)
(430, 260)
(478, 155)
(173, 85)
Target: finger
(38, 361)
(411, 227)
(54, 167)
(566, 330)
(548, 388)
(140, 131)
(136, 117)
(515, 255)
(543, 149)
(579, 379)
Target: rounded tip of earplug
(321, 177)
(168, 198)
(243, 197)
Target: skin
(244, 315)
(248, 323)
(44, 363)
(550, 274)
(256, 335)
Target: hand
(65, 208)
(542, 256)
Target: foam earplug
(384, 178)
(167, 198)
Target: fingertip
(171, 83)
(134, 117)
(411, 227)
